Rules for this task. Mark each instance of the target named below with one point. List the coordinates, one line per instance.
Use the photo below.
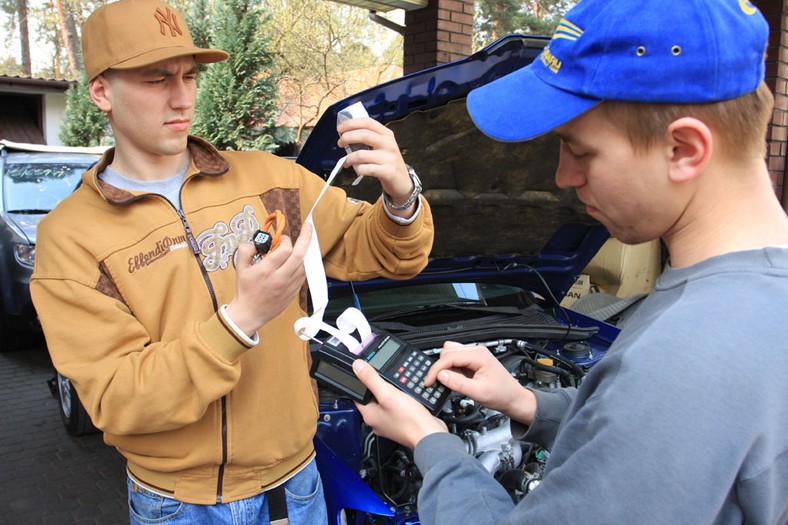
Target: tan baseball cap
(133, 33)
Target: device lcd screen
(384, 353)
(340, 377)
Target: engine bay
(543, 347)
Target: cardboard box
(625, 270)
(619, 269)
(581, 287)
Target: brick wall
(437, 34)
(776, 13)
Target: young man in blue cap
(662, 112)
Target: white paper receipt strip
(351, 320)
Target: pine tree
(236, 99)
(497, 18)
(84, 124)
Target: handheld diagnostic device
(399, 363)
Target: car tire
(75, 418)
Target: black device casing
(332, 364)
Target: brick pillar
(776, 13)
(441, 32)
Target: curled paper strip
(313, 260)
(352, 320)
(307, 325)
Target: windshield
(39, 186)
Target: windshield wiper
(30, 211)
(428, 308)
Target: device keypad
(410, 375)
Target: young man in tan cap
(180, 345)
(662, 111)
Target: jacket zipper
(220, 478)
(196, 252)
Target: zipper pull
(192, 240)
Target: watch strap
(413, 196)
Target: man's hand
(264, 289)
(392, 413)
(475, 372)
(384, 161)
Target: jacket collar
(206, 160)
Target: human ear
(99, 91)
(691, 144)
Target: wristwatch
(413, 196)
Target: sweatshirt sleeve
(551, 407)
(450, 476)
(359, 241)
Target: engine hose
(568, 362)
(514, 479)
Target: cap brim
(201, 56)
(521, 106)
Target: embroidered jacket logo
(218, 244)
(163, 247)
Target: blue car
(508, 247)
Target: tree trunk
(68, 34)
(539, 10)
(24, 37)
(496, 21)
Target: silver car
(33, 179)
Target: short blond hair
(739, 123)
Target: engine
(389, 469)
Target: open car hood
(498, 214)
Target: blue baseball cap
(658, 51)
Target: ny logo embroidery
(167, 19)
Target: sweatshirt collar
(206, 160)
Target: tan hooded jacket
(127, 290)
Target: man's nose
(182, 94)
(568, 174)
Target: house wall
(440, 33)
(54, 112)
(33, 109)
(776, 12)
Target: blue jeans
(303, 492)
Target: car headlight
(25, 254)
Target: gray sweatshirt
(685, 420)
